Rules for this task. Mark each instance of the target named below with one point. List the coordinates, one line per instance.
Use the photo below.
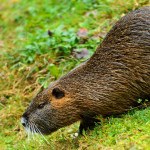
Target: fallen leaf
(82, 33)
(81, 53)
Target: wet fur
(110, 82)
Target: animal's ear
(58, 93)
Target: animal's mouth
(32, 128)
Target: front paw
(88, 124)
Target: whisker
(28, 131)
(32, 131)
(41, 134)
(35, 131)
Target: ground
(39, 42)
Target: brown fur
(110, 82)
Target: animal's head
(50, 110)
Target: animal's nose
(24, 120)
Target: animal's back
(119, 71)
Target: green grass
(30, 59)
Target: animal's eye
(41, 106)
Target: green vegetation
(38, 40)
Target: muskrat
(109, 83)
